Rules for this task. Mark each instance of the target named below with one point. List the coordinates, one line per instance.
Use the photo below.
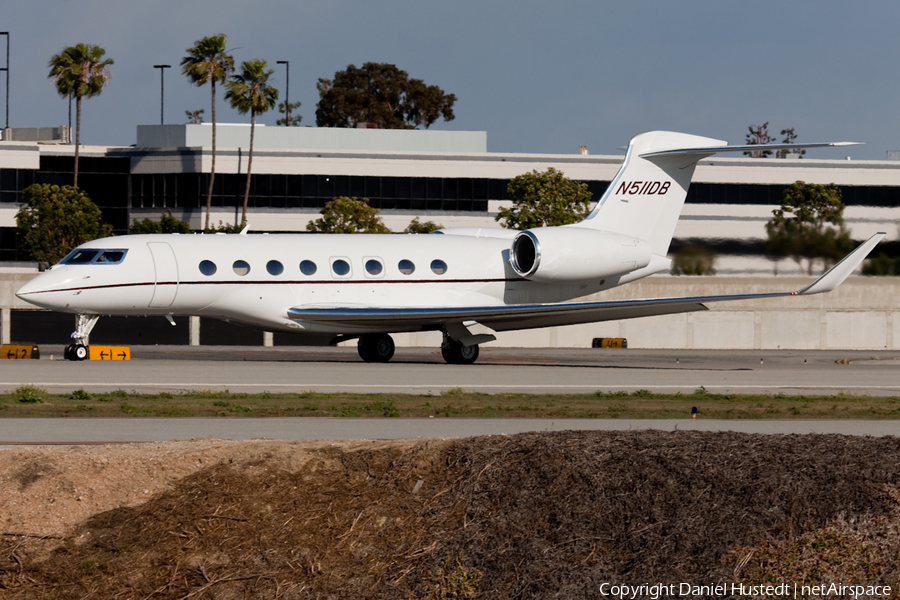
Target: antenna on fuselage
(245, 229)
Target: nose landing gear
(83, 326)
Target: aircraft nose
(31, 291)
(28, 288)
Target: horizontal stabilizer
(710, 150)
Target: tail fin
(645, 198)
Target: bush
(694, 260)
(417, 226)
(167, 223)
(348, 215)
(80, 395)
(29, 394)
(882, 265)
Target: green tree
(790, 136)
(249, 91)
(79, 71)
(224, 228)
(809, 225)
(759, 134)
(883, 264)
(542, 199)
(195, 117)
(694, 260)
(289, 119)
(382, 94)
(53, 220)
(417, 226)
(208, 62)
(167, 223)
(348, 215)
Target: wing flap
(514, 316)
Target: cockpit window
(92, 256)
(111, 256)
(80, 257)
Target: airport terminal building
(444, 176)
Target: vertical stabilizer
(645, 198)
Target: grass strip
(31, 401)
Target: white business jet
(368, 286)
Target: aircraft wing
(527, 316)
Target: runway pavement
(422, 371)
(16, 432)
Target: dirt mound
(551, 515)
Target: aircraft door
(166, 269)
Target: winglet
(836, 275)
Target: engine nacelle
(550, 254)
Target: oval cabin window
(374, 267)
(340, 267)
(241, 267)
(208, 267)
(308, 267)
(274, 267)
(406, 267)
(439, 267)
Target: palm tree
(207, 61)
(250, 91)
(79, 71)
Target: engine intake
(575, 254)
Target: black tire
(376, 348)
(79, 352)
(67, 353)
(457, 354)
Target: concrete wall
(864, 313)
(237, 135)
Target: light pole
(162, 89)
(287, 91)
(6, 68)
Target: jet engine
(549, 254)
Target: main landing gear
(457, 353)
(379, 347)
(375, 347)
(83, 326)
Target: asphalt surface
(156, 369)
(15, 432)
(422, 371)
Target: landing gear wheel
(456, 353)
(375, 348)
(78, 352)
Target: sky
(537, 76)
